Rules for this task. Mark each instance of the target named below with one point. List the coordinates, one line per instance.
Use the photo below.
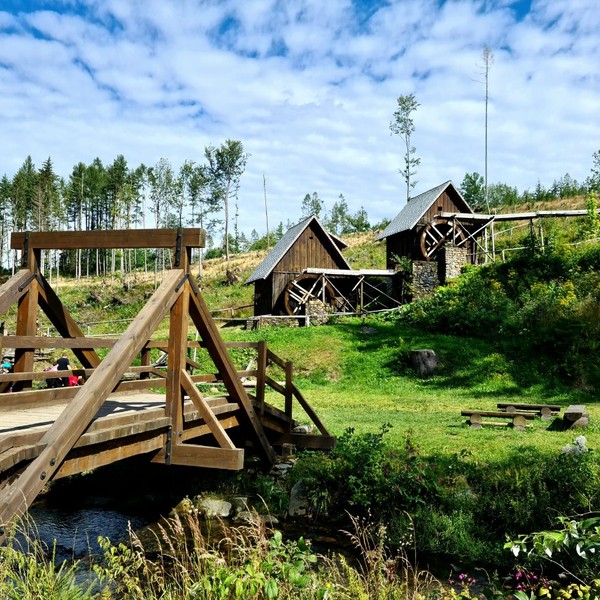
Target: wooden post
(177, 350)
(145, 361)
(261, 369)
(288, 390)
(27, 319)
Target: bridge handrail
(151, 377)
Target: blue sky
(309, 87)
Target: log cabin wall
(444, 203)
(263, 297)
(311, 249)
(401, 244)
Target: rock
(214, 507)
(368, 330)
(285, 467)
(317, 312)
(424, 362)
(299, 503)
(302, 429)
(281, 470)
(253, 518)
(287, 450)
(248, 516)
(239, 504)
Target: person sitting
(53, 381)
(62, 364)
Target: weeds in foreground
(29, 570)
(248, 562)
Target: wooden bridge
(126, 405)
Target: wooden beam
(207, 414)
(12, 290)
(178, 326)
(114, 238)
(16, 455)
(63, 321)
(36, 398)
(190, 455)
(198, 429)
(209, 333)
(74, 420)
(309, 410)
(525, 216)
(26, 325)
(31, 342)
(120, 450)
(261, 368)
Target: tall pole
(488, 58)
(266, 213)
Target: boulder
(214, 507)
(299, 503)
(424, 362)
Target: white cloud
(308, 88)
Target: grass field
(356, 375)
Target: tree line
(473, 189)
(118, 196)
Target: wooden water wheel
(304, 288)
(437, 233)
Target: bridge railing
(148, 376)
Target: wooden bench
(518, 419)
(546, 411)
(576, 416)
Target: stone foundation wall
(271, 320)
(453, 259)
(425, 279)
(317, 312)
(427, 276)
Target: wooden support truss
(165, 432)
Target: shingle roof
(415, 208)
(285, 243)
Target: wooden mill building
(421, 229)
(305, 245)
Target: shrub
(541, 307)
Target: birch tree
(403, 125)
(225, 166)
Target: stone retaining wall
(454, 258)
(425, 279)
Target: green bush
(363, 475)
(539, 307)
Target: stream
(75, 511)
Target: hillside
(112, 299)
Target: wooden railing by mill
(126, 405)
